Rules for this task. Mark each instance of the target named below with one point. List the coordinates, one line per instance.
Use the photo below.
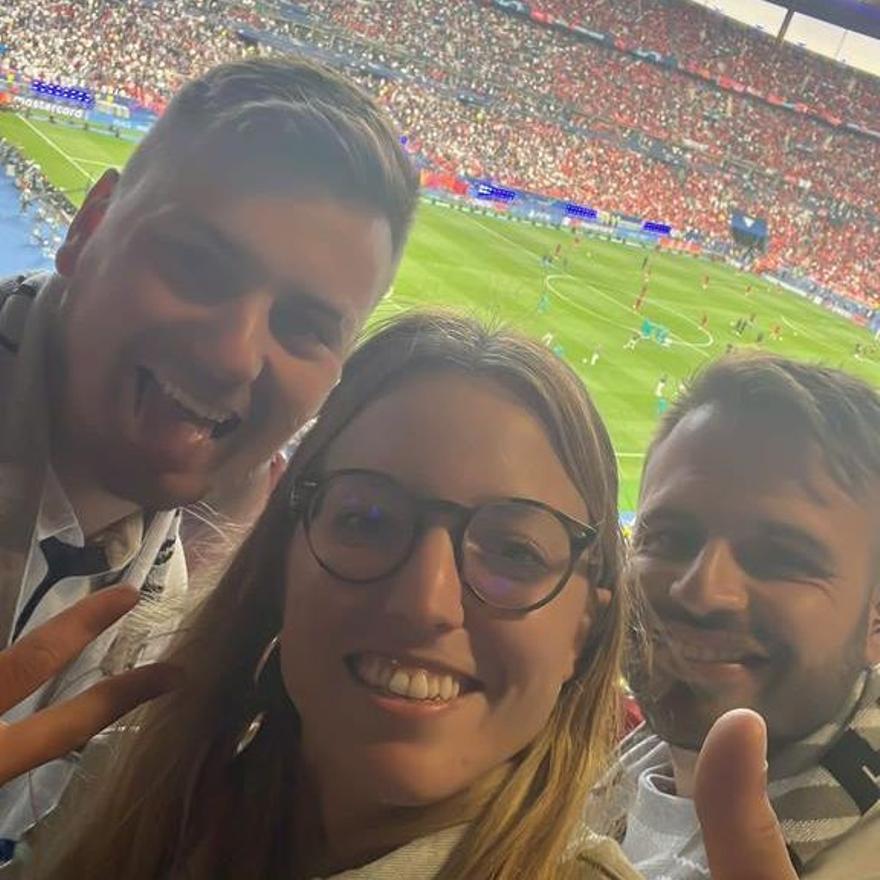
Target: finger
(61, 728)
(277, 466)
(740, 830)
(40, 654)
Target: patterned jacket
(143, 552)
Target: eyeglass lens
(513, 553)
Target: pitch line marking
(90, 161)
(798, 329)
(839, 354)
(674, 337)
(55, 147)
(399, 307)
(629, 327)
(583, 306)
(505, 238)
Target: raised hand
(41, 654)
(740, 830)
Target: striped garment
(825, 790)
(45, 563)
(824, 787)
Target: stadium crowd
(721, 47)
(48, 208)
(416, 662)
(140, 50)
(730, 150)
(632, 137)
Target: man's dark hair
(284, 123)
(837, 411)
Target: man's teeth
(410, 682)
(704, 654)
(196, 407)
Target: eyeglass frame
(581, 535)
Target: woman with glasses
(410, 668)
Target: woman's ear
(86, 221)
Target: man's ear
(872, 647)
(86, 221)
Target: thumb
(740, 830)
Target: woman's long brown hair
(174, 803)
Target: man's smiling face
(760, 572)
(200, 332)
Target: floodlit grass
(71, 158)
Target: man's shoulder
(8, 283)
(22, 415)
(642, 750)
(854, 856)
(17, 295)
(26, 284)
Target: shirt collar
(121, 540)
(57, 518)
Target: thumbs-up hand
(740, 830)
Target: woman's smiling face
(482, 684)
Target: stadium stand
(140, 49)
(31, 234)
(542, 109)
(30, 214)
(724, 48)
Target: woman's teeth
(406, 681)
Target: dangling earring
(250, 732)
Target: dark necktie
(63, 561)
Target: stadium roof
(862, 16)
(847, 31)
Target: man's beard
(793, 700)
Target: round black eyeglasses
(513, 554)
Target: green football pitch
(492, 267)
